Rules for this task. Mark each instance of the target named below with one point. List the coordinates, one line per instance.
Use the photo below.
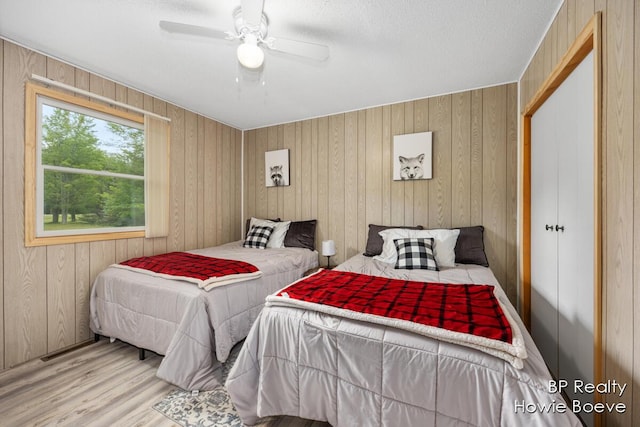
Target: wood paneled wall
(620, 184)
(341, 172)
(44, 291)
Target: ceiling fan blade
(195, 30)
(251, 12)
(319, 52)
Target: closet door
(575, 215)
(544, 213)
(562, 229)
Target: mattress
(348, 372)
(194, 329)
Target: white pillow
(443, 248)
(276, 240)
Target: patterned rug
(207, 408)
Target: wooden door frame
(589, 40)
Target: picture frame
(412, 156)
(276, 168)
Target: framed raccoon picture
(412, 156)
(276, 168)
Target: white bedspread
(193, 328)
(348, 372)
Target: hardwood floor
(102, 384)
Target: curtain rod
(93, 95)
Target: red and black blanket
(204, 271)
(469, 315)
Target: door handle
(559, 228)
(549, 227)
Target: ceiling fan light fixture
(249, 53)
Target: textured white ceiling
(381, 52)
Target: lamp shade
(328, 248)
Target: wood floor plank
(102, 384)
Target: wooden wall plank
(147, 104)
(584, 11)
(83, 291)
(562, 39)
(553, 42)
(217, 183)
(350, 184)
(539, 69)
(396, 188)
(572, 30)
(324, 224)
(476, 156)
(280, 190)
(305, 165)
(135, 247)
(250, 173)
(210, 190)
(299, 168)
(272, 192)
(101, 255)
(618, 232)
(362, 179)
(25, 312)
(121, 250)
(461, 159)
(61, 297)
(314, 173)
(261, 189)
(421, 188)
(190, 180)
(288, 193)
(440, 185)
(160, 243)
(336, 184)
(511, 262)
(494, 178)
(409, 186)
(226, 197)
(546, 55)
(175, 240)
(386, 164)
(373, 178)
(238, 226)
(200, 178)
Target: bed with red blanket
(192, 307)
(367, 344)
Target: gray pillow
(301, 234)
(470, 246)
(375, 242)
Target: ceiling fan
(251, 28)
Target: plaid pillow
(416, 254)
(258, 237)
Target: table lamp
(328, 249)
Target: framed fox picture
(412, 156)
(276, 168)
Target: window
(85, 170)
